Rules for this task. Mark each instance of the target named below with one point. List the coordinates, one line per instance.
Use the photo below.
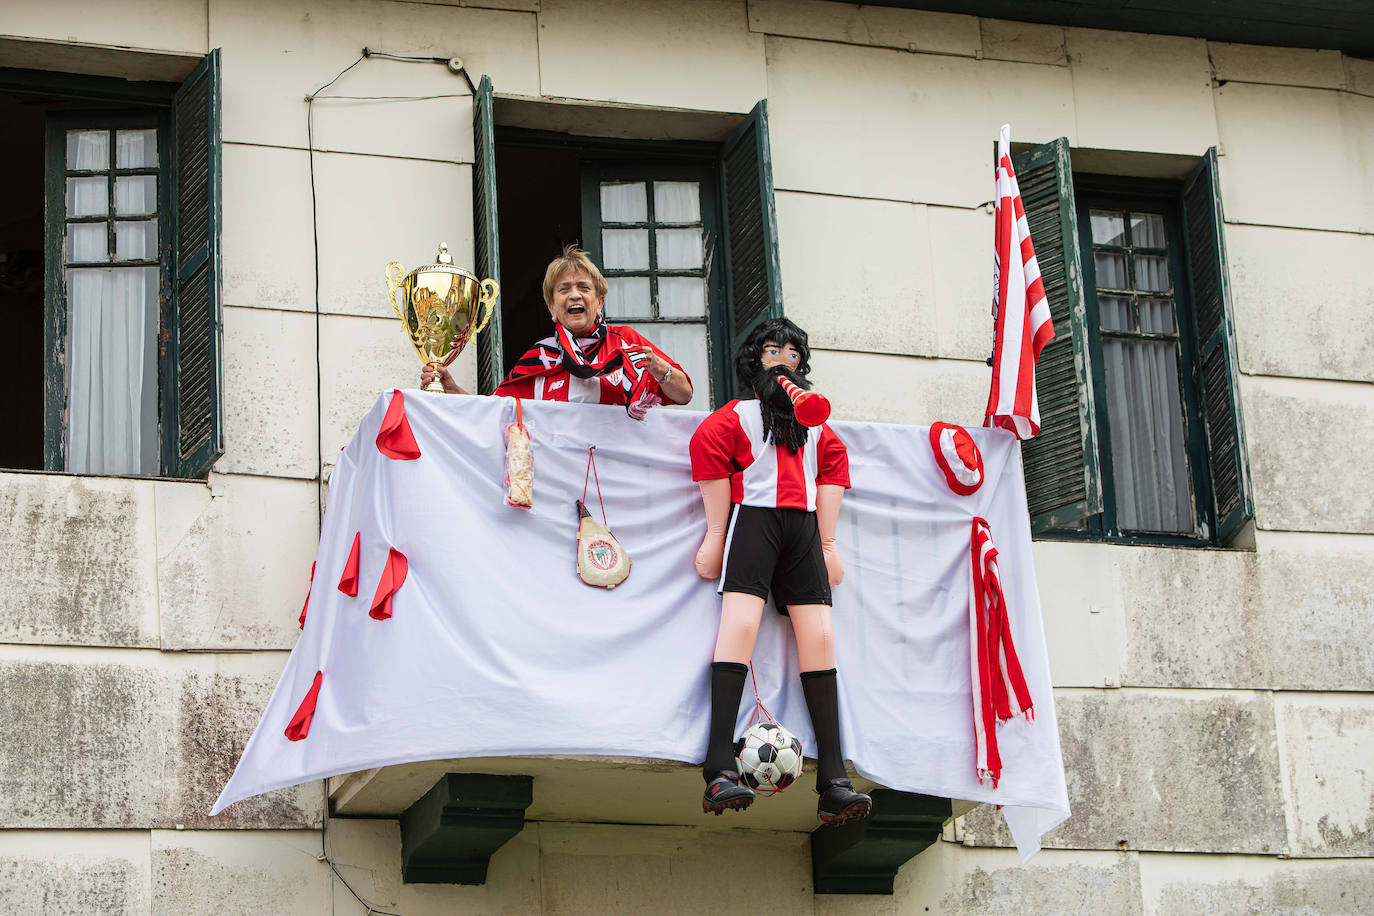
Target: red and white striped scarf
(1020, 311)
(999, 687)
(600, 352)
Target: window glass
(679, 249)
(88, 149)
(677, 202)
(623, 202)
(628, 297)
(682, 297)
(136, 149)
(625, 249)
(136, 240)
(88, 197)
(135, 195)
(1109, 228)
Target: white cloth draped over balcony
(495, 648)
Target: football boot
(839, 803)
(725, 792)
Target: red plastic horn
(811, 407)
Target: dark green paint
(486, 234)
(863, 856)
(449, 835)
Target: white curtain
(111, 377)
(1149, 458)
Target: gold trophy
(439, 308)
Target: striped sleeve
(832, 459)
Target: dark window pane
(1111, 270)
(1109, 228)
(1147, 230)
(1151, 273)
(1115, 313)
(1157, 316)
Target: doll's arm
(715, 497)
(828, 499)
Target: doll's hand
(711, 556)
(834, 566)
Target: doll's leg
(739, 625)
(816, 653)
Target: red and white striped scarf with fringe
(600, 352)
(999, 687)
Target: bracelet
(667, 375)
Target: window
(684, 231)
(1141, 437)
(126, 228)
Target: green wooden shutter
(1063, 474)
(193, 410)
(753, 279)
(1216, 348)
(486, 238)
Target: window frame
(55, 303)
(1093, 191)
(648, 171)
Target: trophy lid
(443, 264)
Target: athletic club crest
(602, 554)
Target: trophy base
(434, 386)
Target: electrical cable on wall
(455, 65)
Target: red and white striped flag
(1020, 311)
(999, 687)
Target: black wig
(779, 421)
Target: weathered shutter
(1216, 347)
(193, 411)
(1063, 474)
(486, 238)
(754, 283)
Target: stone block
(1254, 886)
(1310, 175)
(960, 249)
(366, 220)
(875, 26)
(669, 55)
(1359, 75)
(1328, 746)
(1151, 93)
(1315, 280)
(857, 273)
(1084, 610)
(239, 871)
(269, 393)
(79, 562)
(267, 228)
(275, 52)
(1029, 42)
(1279, 66)
(57, 872)
(1182, 771)
(237, 574)
(214, 709)
(954, 880)
(163, 25)
(85, 747)
(1287, 423)
(899, 389)
(899, 126)
(603, 868)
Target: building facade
(201, 197)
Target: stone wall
(1215, 705)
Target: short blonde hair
(576, 260)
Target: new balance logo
(554, 386)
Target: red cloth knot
(305, 607)
(394, 439)
(393, 577)
(348, 582)
(300, 722)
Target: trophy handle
(490, 291)
(394, 273)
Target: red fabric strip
(305, 607)
(393, 577)
(394, 439)
(299, 726)
(348, 582)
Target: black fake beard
(780, 424)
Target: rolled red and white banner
(810, 407)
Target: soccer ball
(769, 757)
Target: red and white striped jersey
(729, 443)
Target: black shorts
(778, 550)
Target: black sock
(727, 686)
(823, 700)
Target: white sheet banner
(496, 648)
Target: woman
(586, 359)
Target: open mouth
(576, 309)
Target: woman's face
(575, 304)
(776, 354)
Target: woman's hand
(677, 389)
(427, 375)
(711, 555)
(834, 566)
